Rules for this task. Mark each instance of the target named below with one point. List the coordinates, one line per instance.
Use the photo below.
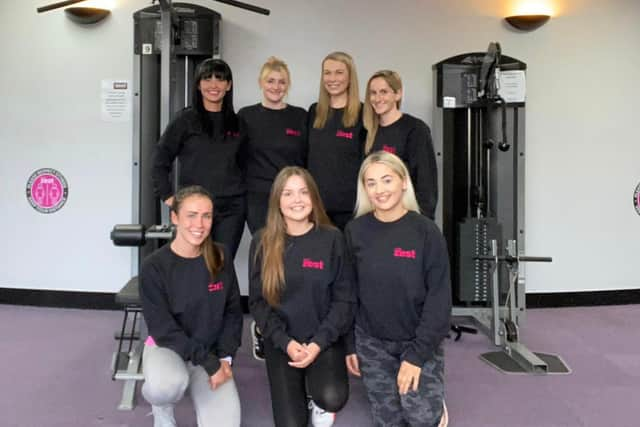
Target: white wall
(581, 134)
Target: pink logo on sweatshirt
(389, 149)
(233, 134)
(215, 287)
(343, 134)
(401, 253)
(307, 263)
(292, 132)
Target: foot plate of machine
(504, 363)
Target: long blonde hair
(370, 119)
(393, 162)
(272, 240)
(213, 255)
(352, 109)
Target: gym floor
(55, 371)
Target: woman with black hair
(205, 137)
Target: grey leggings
(167, 377)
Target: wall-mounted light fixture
(82, 15)
(86, 15)
(527, 22)
(527, 15)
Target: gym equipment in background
(170, 40)
(127, 364)
(480, 146)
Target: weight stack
(474, 276)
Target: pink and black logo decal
(47, 190)
(215, 287)
(308, 263)
(402, 253)
(636, 199)
(343, 134)
(292, 132)
(389, 149)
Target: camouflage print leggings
(379, 364)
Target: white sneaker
(320, 417)
(444, 420)
(257, 342)
(163, 416)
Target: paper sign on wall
(116, 100)
(512, 85)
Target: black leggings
(257, 206)
(325, 380)
(228, 221)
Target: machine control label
(47, 190)
(449, 102)
(636, 199)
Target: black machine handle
(138, 234)
(235, 3)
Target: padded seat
(129, 294)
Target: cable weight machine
(480, 146)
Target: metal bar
(526, 358)
(136, 193)
(165, 69)
(495, 303)
(117, 361)
(469, 168)
(131, 376)
(58, 5)
(246, 6)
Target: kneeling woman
(404, 293)
(191, 304)
(301, 297)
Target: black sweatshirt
(335, 155)
(403, 285)
(410, 139)
(210, 161)
(198, 318)
(317, 303)
(273, 139)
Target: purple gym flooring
(55, 372)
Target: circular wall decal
(47, 190)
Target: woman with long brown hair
(191, 304)
(300, 294)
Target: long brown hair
(370, 119)
(212, 253)
(272, 240)
(352, 109)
